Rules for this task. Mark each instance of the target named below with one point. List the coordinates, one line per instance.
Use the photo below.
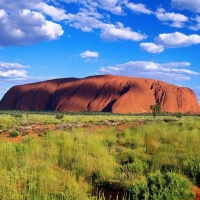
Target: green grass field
(141, 156)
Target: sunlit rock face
(106, 93)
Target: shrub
(162, 186)
(14, 133)
(108, 142)
(191, 168)
(60, 116)
(138, 167)
(179, 115)
(26, 133)
(27, 139)
(1, 126)
(47, 132)
(169, 186)
(17, 115)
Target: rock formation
(117, 94)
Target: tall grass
(67, 164)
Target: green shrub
(59, 115)
(14, 133)
(108, 142)
(26, 133)
(27, 139)
(1, 126)
(179, 115)
(17, 115)
(138, 167)
(191, 168)
(162, 186)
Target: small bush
(59, 116)
(17, 115)
(47, 132)
(108, 142)
(14, 133)
(162, 186)
(179, 115)
(1, 126)
(26, 133)
(27, 139)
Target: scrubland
(93, 156)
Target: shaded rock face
(105, 93)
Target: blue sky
(45, 39)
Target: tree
(155, 109)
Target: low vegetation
(139, 157)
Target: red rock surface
(107, 93)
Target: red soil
(196, 191)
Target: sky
(47, 39)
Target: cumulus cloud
(192, 5)
(170, 40)
(11, 66)
(89, 54)
(23, 27)
(176, 64)
(57, 14)
(162, 15)
(85, 21)
(169, 72)
(114, 32)
(68, 1)
(177, 39)
(12, 70)
(196, 24)
(151, 47)
(89, 21)
(111, 5)
(177, 19)
(139, 8)
(28, 22)
(12, 73)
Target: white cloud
(11, 66)
(89, 54)
(170, 40)
(89, 21)
(68, 1)
(111, 5)
(177, 39)
(192, 5)
(23, 27)
(162, 15)
(12, 70)
(196, 24)
(140, 8)
(151, 47)
(28, 22)
(57, 14)
(12, 73)
(85, 21)
(176, 64)
(112, 32)
(178, 24)
(169, 72)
